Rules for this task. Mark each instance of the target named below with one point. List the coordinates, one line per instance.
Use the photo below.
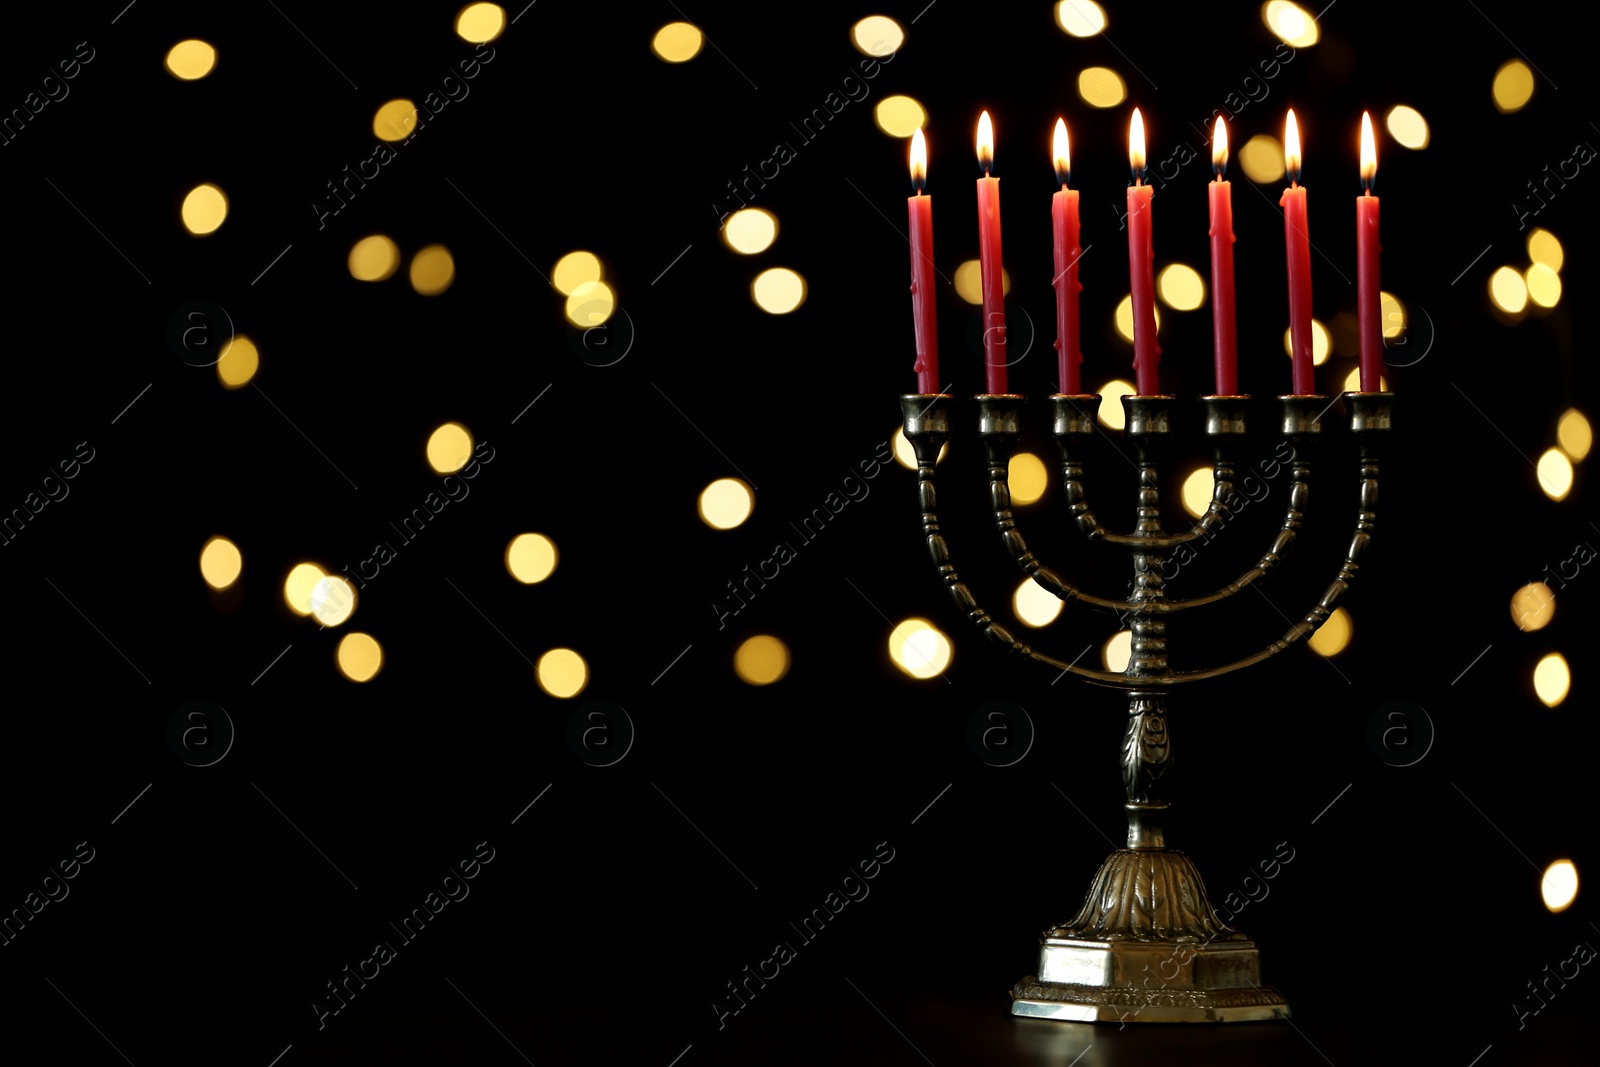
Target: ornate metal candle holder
(1146, 946)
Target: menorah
(1146, 945)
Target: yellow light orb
(480, 23)
(204, 209)
(1544, 285)
(1555, 474)
(1321, 345)
(1574, 434)
(573, 270)
(432, 270)
(1035, 605)
(1393, 315)
(1112, 414)
(726, 503)
(590, 304)
(919, 649)
(1261, 158)
(238, 363)
(900, 116)
(1028, 478)
(190, 60)
(374, 259)
(906, 456)
(1407, 126)
(761, 660)
(1197, 490)
(1101, 87)
(394, 120)
(531, 558)
(1181, 287)
(1290, 22)
(449, 448)
(1117, 652)
(677, 42)
(1552, 679)
(1123, 317)
(1332, 636)
(1352, 382)
(778, 291)
(562, 673)
(750, 230)
(1513, 86)
(220, 562)
(1080, 18)
(1508, 290)
(968, 281)
(332, 600)
(359, 657)
(877, 35)
(1559, 886)
(1533, 606)
(1543, 247)
(297, 587)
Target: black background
(619, 904)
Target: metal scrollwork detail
(1146, 749)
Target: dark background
(616, 908)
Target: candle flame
(1062, 151)
(985, 143)
(1136, 147)
(1369, 154)
(1291, 148)
(1219, 149)
(919, 161)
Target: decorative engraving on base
(1147, 895)
(1030, 988)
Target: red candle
(1298, 240)
(994, 305)
(920, 207)
(1064, 224)
(1141, 267)
(1223, 326)
(1369, 305)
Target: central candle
(994, 300)
(1369, 302)
(923, 316)
(1064, 228)
(1223, 325)
(1298, 239)
(1141, 267)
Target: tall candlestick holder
(1146, 946)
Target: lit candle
(1369, 305)
(1223, 326)
(1141, 267)
(994, 300)
(923, 318)
(1064, 223)
(1298, 241)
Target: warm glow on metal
(1291, 148)
(1061, 152)
(1219, 149)
(1559, 886)
(1136, 152)
(1554, 471)
(1369, 153)
(919, 160)
(1552, 679)
(985, 143)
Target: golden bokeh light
(1117, 651)
(1333, 635)
(1101, 87)
(359, 657)
(1113, 416)
(191, 59)
(1028, 478)
(677, 42)
(968, 281)
(1392, 313)
(1559, 886)
(590, 304)
(1035, 605)
(1181, 287)
(1544, 285)
(1197, 490)
(1261, 158)
(1080, 18)
(1574, 434)
(449, 448)
(900, 116)
(761, 660)
(1555, 474)
(1533, 606)
(394, 120)
(919, 649)
(1513, 86)
(1321, 343)
(204, 209)
(573, 270)
(750, 230)
(726, 503)
(297, 587)
(374, 258)
(1290, 22)
(562, 673)
(1508, 290)
(906, 456)
(220, 562)
(480, 23)
(432, 270)
(1352, 382)
(1552, 679)
(877, 35)
(1123, 317)
(238, 363)
(332, 600)
(1543, 247)
(531, 558)
(1407, 126)
(778, 291)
